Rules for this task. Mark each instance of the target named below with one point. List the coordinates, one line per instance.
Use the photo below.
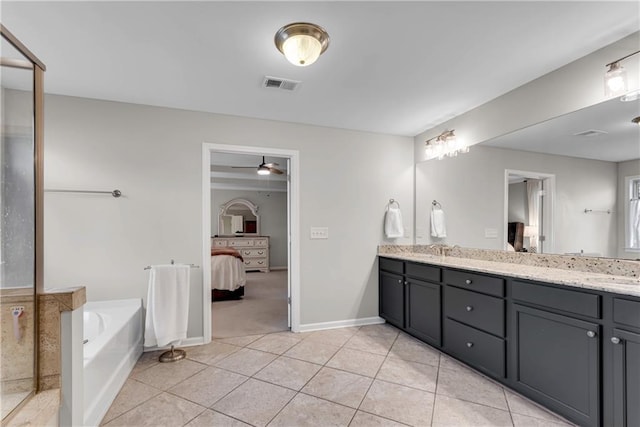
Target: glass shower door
(17, 229)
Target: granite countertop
(600, 282)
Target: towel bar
(435, 203)
(392, 201)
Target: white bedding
(227, 273)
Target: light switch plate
(491, 233)
(319, 232)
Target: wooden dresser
(254, 250)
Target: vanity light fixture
(636, 120)
(302, 43)
(445, 144)
(615, 79)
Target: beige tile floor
(367, 376)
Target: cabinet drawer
(477, 282)
(477, 348)
(423, 272)
(259, 253)
(626, 312)
(474, 309)
(256, 262)
(239, 243)
(260, 243)
(561, 299)
(392, 265)
(219, 243)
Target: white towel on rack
(167, 305)
(393, 223)
(438, 227)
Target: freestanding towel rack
(174, 354)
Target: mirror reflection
(565, 186)
(238, 217)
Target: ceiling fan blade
(270, 165)
(243, 167)
(274, 170)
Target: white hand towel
(167, 305)
(393, 223)
(438, 227)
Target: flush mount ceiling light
(302, 43)
(445, 144)
(615, 79)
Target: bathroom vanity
(566, 339)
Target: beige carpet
(262, 310)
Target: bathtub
(113, 333)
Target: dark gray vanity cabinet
(556, 360)
(474, 324)
(626, 362)
(423, 303)
(572, 350)
(410, 298)
(392, 298)
(555, 349)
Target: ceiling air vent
(280, 83)
(590, 132)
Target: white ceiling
(225, 176)
(620, 142)
(392, 67)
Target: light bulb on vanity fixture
(615, 79)
(445, 144)
(302, 43)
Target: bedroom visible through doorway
(249, 233)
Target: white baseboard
(341, 324)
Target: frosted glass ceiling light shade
(615, 80)
(302, 43)
(445, 144)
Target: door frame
(293, 226)
(548, 206)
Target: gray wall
(154, 155)
(272, 208)
(470, 188)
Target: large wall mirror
(572, 184)
(238, 217)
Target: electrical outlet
(319, 232)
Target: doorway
(271, 289)
(529, 198)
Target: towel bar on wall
(148, 267)
(437, 204)
(115, 193)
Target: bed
(228, 276)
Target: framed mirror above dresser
(238, 217)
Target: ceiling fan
(263, 168)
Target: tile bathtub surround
(324, 378)
(50, 305)
(610, 266)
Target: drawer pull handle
(615, 340)
(468, 281)
(406, 283)
(400, 281)
(260, 252)
(469, 308)
(260, 262)
(591, 334)
(469, 344)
